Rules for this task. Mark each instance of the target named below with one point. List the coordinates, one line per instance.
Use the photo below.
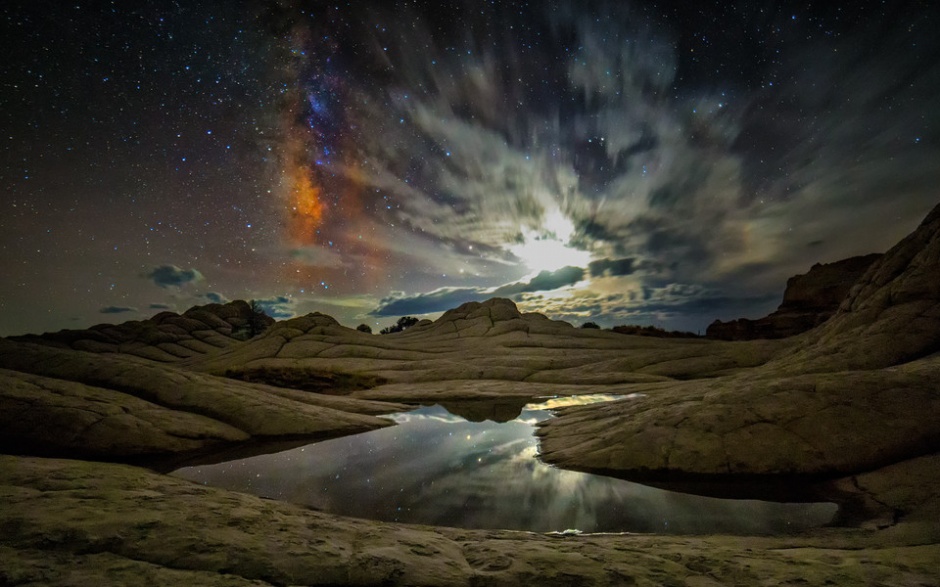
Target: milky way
(647, 162)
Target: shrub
(404, 323)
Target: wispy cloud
(117, 310)
(173, 276)
(446, 298)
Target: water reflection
(438, 468)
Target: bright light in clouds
(546, 249)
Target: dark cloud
(544, 281)
(159, 306)
(612, 267)
(117, 310)
(590, 229)
(448, 298)
(173, 276)
(216, 298)
(428, 303)
(674, 306)
(278, 307)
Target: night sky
(653, 162)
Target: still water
(436, 467)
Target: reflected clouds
(434, 467)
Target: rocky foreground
(68, 522)
(846, 412)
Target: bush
(404, 323)
(591, 325)
(364, 328)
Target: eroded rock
(68, 521)
(65, 402)
(166, 337)
(808, 301)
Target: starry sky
(645, 162)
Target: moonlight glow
(549, 248)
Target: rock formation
(847, 410)
(858, 392)
(891, 316)
(480, 342)
(808, 301)
(62, 402)
(166, 337)
(79, 523)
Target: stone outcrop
(489, 341)
(72, 522)
(166, 337)
(813, 425)
(858, 392)
(61, 402)
(808, 301)
(891, 316)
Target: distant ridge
(166, 337)
(891, 315)
(809, 300)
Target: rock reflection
(438, 468)
(481, 410)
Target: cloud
(117, 310)
(279, 307)
(427, 303)
(612, 267)
(159, 306)
(675, 306)
(317, 257)
(216, 298)
(173, 276)
(694, 179)
(444, 299)
(544, 281)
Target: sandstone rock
(858, 392)
(891, 316)
(166, 337)
(68, 522)
(478, 341)
(808, 301)
(65, 402)
(42, 415)
(820, 425)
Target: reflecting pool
(438, 468)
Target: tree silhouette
(591, 325)
(404, 323)
(364, 328)
(258, 319)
